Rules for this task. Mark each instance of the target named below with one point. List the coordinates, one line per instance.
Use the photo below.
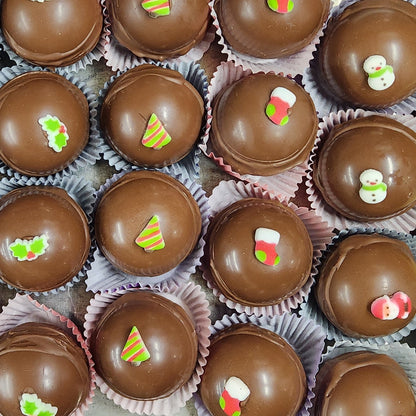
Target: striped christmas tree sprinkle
(135, 350)
(155, 135)
(156, 8)
(151, 237)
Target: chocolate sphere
(51, 33)
(365, 169)
(41, 359)
(152, 116)
(368, 53)
(165, 331)
(379, 275)
(263, 124)
(270, 29)
(156, 32)
(143, 205)
(259, 252)
(263, 363)
(44, 238)
(363, 383)
(44, 122)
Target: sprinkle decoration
(281, 101)
(281, 6)
(155, 135)
(373, 190)
(265, 250)
(156, 8)
(56, 132)
(235, 391)
(135, 350)
(387, 308)
(32, 405)
(151, 237)
(380, 75)
(29, 249)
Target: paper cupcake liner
(23, 309)
(82, 192)
(104, 276)
(289, 65)
(119, 58)
(404, 222)
(316, 86)
(311, 310)
(193, 299)
(228, 192)
(90, 154)
(88, 59)
(285, 183)
(189, 165)
(306, 338)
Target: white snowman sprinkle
(373, 190)
(380, 75)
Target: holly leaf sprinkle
(32, 405)
(19, 250)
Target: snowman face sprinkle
(380, 75)
(373, 190)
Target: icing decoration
(135, 350)
(380, 75)
(373, 190)
(281, 101)
(391, 307)
(235, 391)
(151, 237)
(156, 8)
(280, 6)
(56, 131)
(29, 249)
(155, 135)
(31, 405)
(265, 247)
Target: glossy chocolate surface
(252, 28)
(52, 33)
(365, 267)
(126, 208)
(41, 359)
(168, 334)
(374, 142)
(159, 37)
(363, 383)
(264, 361)
(23, 101)
(129, 104)
(33, 211)
(364, 29)
(248, 140)
(237, 272)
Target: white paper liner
(88, 59)
(317, 88)
(404, 222)
(192, 297)
(81, 191)
(23, 309)
(306, 338)
(311, 310)
(189, 165)
(91, 152)
(289, 65)
(104, 276)
(228, 192)
(285, 183)
(119, 58)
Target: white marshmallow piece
(237, 389)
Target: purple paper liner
(104, 276)
(311, 310)
(306, 338)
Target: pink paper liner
(82, 192)
(403, 223)
(306, 338)
(228, 192)
(104, 276)
(197, 305)
(311, 310)
(317, 87)
(289, 65)
(90, 153)
(23, 309)
(120, 58)
(88, 59)
(285, 183)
